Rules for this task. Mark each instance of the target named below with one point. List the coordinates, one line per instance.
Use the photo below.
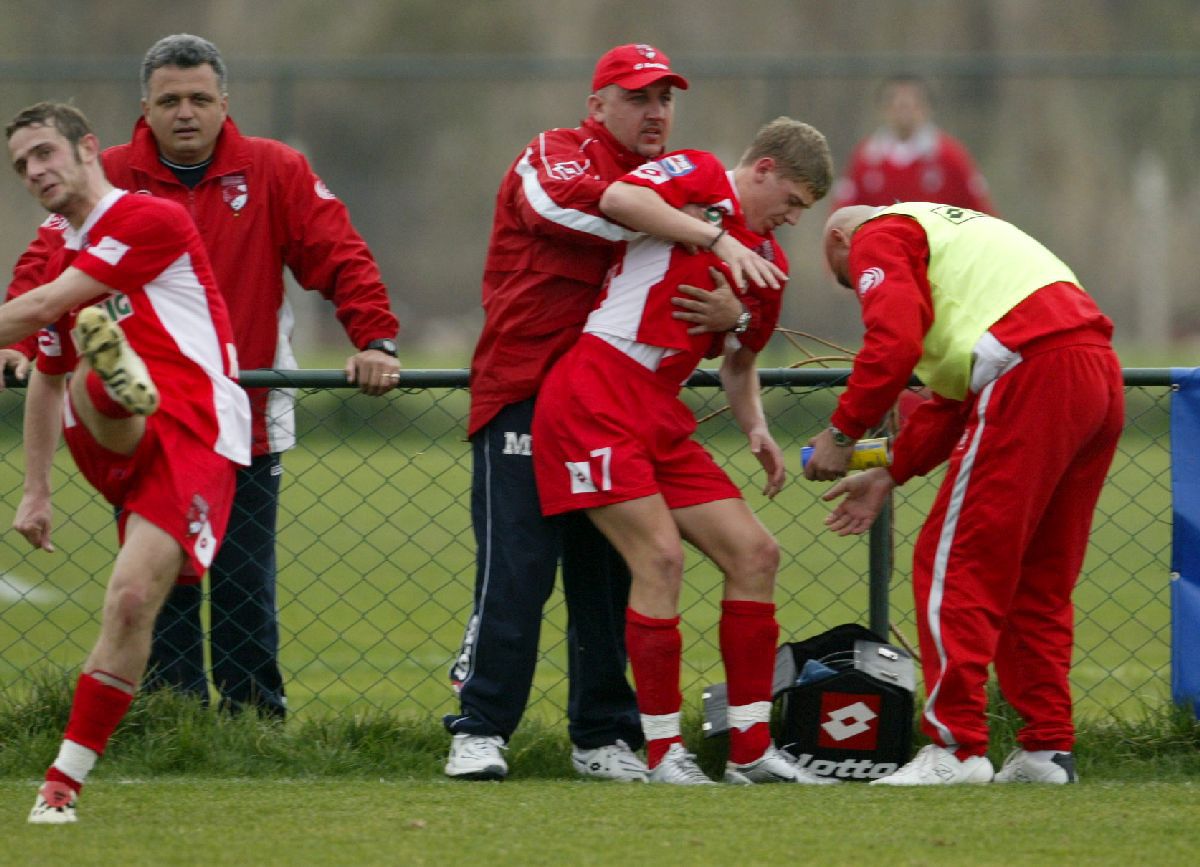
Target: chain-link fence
(376, 554)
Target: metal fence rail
(376, 556)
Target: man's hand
(764, 447)
(374, 372)
(712, 311)
(866, 494)
(33, 520)
(744, 264)
(829, 460)
(13, 361)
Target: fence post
(879, 568)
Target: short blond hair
(800, 151)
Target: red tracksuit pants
(997, 559)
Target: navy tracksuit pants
(245, 626)
(518, 552)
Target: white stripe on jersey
(643, 267)
(179, 299)
(550, 210)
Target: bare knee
(752, 575)
(131, 608)
(663, 566)
(657, 578)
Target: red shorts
(172, 480)
(607, 430)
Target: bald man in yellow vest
(1027, 406)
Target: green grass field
(382, 821)
(182, 785)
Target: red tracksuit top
(897, 315)
(547, 257)
(932, 166)
(259, 208)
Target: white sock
(75, 761)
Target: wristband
(720, 235)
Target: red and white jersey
(164, 297)
(635, 306)
(931, 166)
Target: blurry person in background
(909, 158)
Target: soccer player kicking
(612, 437)
(135, 363)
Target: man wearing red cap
(550, 248)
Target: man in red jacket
(259, 208)
(1027, 410)
(909, 158)
(549, 251)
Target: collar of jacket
(230, 154)
(627, 158)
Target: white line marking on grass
(13, 589)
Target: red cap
(634, 67)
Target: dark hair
(185, 51)
(67, 119)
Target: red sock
(655, 650)
(104, 402)
(748, 635)
(95, 712)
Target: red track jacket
(548, 254)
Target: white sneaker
(679, 768)
(937, 766)
(103, 343)
(1025, 767)
(775, 766)
(55, 805)
(476, 757)
(610, 762)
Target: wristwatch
(743, 322)
(840, 439)
(383, 344)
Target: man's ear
(89, 147)
(595, 108)
(763, 166)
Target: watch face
(383, 345)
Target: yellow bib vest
(979, 269)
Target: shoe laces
(684, 763)
(479, 747)
(922, 760)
